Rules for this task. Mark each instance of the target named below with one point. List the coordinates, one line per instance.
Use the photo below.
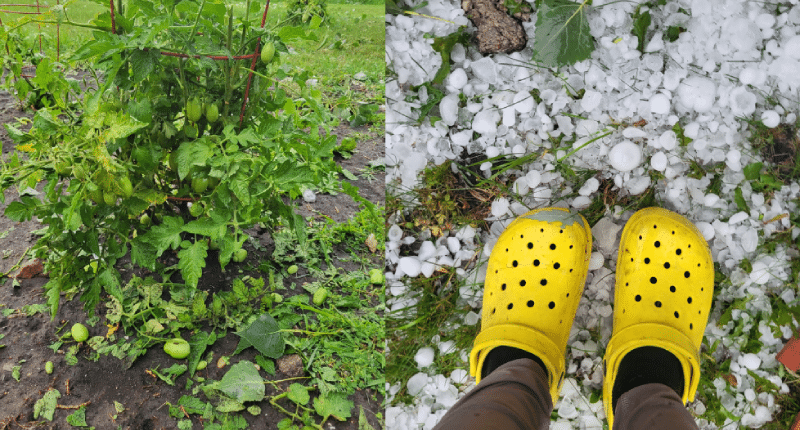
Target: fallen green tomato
(202, 365)
(177, 348)
(320, 295)
(292, 269)
(48, 367)
(376, 276)
(79, 332)
(239, 255)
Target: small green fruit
(268, 52)
(376, 276)
(212, 113)
(194, 110)
(199, 185)
(177, 348)
(320, 295)
(79, 332)
(109, 198)
(145, 220)
(292, 269)
(125, 187)
(277, 298)
(202, 365)
(239, 255)
(196, 210)
(48, 367)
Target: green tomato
(194, 110)
(64, 168)
(277, 298)
(268, 52)
(109, 198)
(212, 113)
(320, 295)
(239, 255)
(79, 332)
(79, 172)
(48, 367)
(292, 269)
(190, 130)
(177, 348)
(202, 365)
(376, 276)
(199, 185)
(145, 220)
(125, 187)
(197, 209)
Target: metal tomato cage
(38, 11)
(254, 56)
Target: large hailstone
(697, 93)
(625, 156)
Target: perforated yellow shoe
(662, 298)
(534, 283)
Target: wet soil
(25, 340)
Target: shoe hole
(702, 289)
(657, 244)
(503, 287)
(653, 280)
(666, 265)
(561, 231)
(689, 300)
(640, 237)
(493, 311)
(678, 251)
(570, 247)
(686, 274)
(672, 288)
(658, 304)
(553, 246)
(551, 305)
(530, 303)
(623, 311)
(506, 249)
(496, 271)
(530, 245)
(626, 284)
(543, 282)
(567, 294)
(638, 298)
(691, 326)
(510, 306)
(631, 258)
(698, 312)
(655, 226)
(698, 264)
(514, 263)
(556, 266)
(570, 270)
(677, 315)
(673, 232)
(646, 261)
(541, 230)
(688, 246)
(536, 262)
(521, 236)
(522, 283)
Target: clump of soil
(497, 30)
(783, 150)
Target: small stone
(291, 365)
(497, 31)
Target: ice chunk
(500, 207)
(625, 156)
(750, 240)
(742, 102)
(410, 266)
(309, 196)
(791, 48)
(750, 361)
(534, 179)
(591, 100)
(596, 261)
(743, 34)
(485, 122)
(459, 376)
(707, 230)
(697, 93)
(770, 118)
(471, 318)
(633, 133)
(523, 102)
(424, 357)
(760, 273)
(659, 161)
(581, 202)
(416, 383)
(395, 233)
(659, 104)
(448, 107)
(457, 79)
(567, 410)
(738, 217)
(710, 199)
(485, 69)
(668, 140)
(447, 347)
(591, 185)
(605, 234)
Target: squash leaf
(562, 33)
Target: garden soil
(99, 384)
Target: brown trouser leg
(516, 396)
(653, 407)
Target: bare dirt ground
(105, 381)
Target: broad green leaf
(562, 33)
(333, 405)
(264, 335)
(206, 227)
(243, 383)
(192, 261)
(165, 235)
(363, 424)
(143, 254)
(143, 62)
(752, 171)
(641, 23)
(78, 418)
(22, 210)
(738, 198)
(46, 406)
(198, 342)
(193, 153)
(298, 394)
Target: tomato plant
(167, 126)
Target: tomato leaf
(562, 33)
(333, 405)
(264, 335)
(192, 261)
(78, 418)
(167, 235)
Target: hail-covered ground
(735, 60)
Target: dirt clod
(497, 31)
(291, 365)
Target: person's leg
(534, 282)
(514, 396)
(663, 292)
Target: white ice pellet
(625, 156)
(448, 107)
(471, 318)
(591, 100)
(660, 104)
(742, 102)
(309, 196)
(459, 376)
(410, 266)
(658, 161)
(697, 93)
(457, 79)
(770, 118)
(596, 261)
(424, 357)
(750, 240)
(668, 140)
(485, 69)
(710, 199)
(500, 207)
(738, 217)
(416, 383)
(523, 102)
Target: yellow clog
(662, 298)
(534, 282)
